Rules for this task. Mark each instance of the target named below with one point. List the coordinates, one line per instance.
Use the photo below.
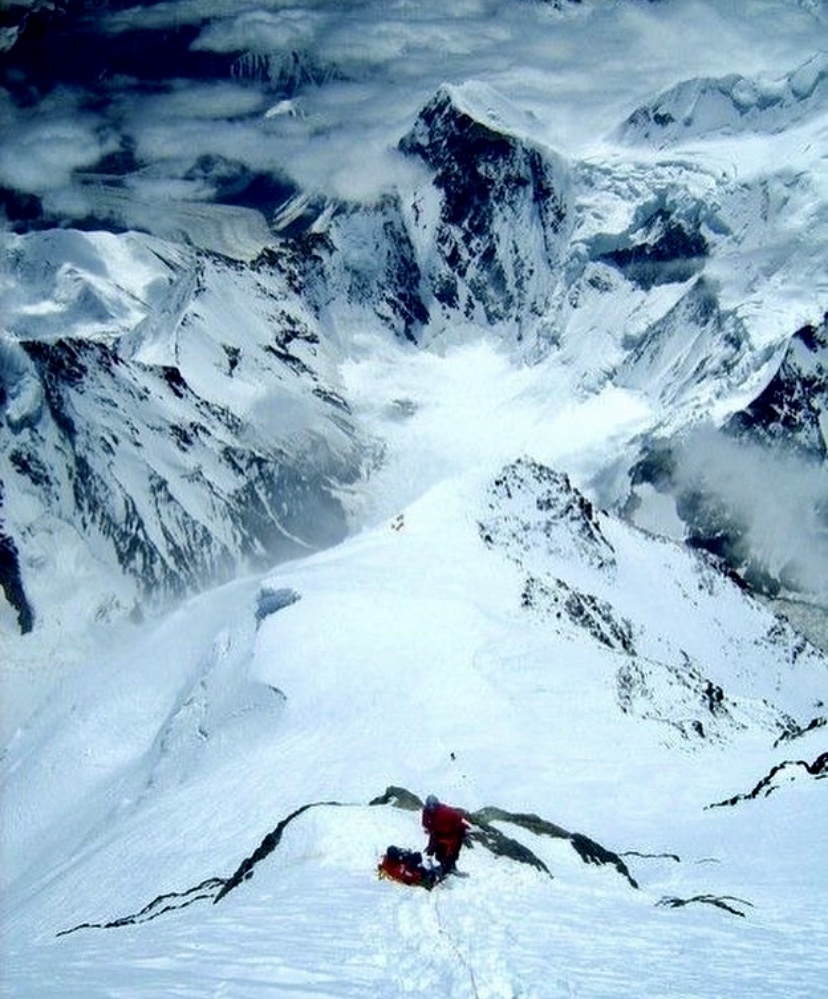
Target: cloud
(261, 31)
(177, 143)
(42, 148)
(186, 100)
(357, 71)
(779, 501)
(175, 13)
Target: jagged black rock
(484, 833)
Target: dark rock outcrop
(161, 905)
(779, 434)
(791, 411)
(660, 249)
(12, 582)
(797, 731)
(533, 509)
(727, 902)
(584, 610)
(503, 209)
(484, 833)
(785, 772)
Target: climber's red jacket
(446, 828)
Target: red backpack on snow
(406, 866)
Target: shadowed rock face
(12, 583)
(786, 423)
(662, 250)
(502, 215)
(790, 411)
(138, 439)
(157, 537)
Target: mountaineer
(446, 828)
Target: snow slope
(589, 704)
(453, 375)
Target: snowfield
(155, 769)
(378, 331)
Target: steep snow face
(187, 426)
(730, 104)
(579, 566)
(737, 490)
(22, 390)
(370, 272)
(791, 413)
(503, 214)
(257, 733)
(692, 344)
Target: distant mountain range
(172, 407)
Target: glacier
(401, 399)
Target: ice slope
(555, 660)
(164, 764)
(729, 104)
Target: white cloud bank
(781, 501)
(358, 72)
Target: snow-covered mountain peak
(534, 512)
(729, 105)
(503, 213)
(479, 102)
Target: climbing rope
(453, 945)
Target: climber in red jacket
(446, 828)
